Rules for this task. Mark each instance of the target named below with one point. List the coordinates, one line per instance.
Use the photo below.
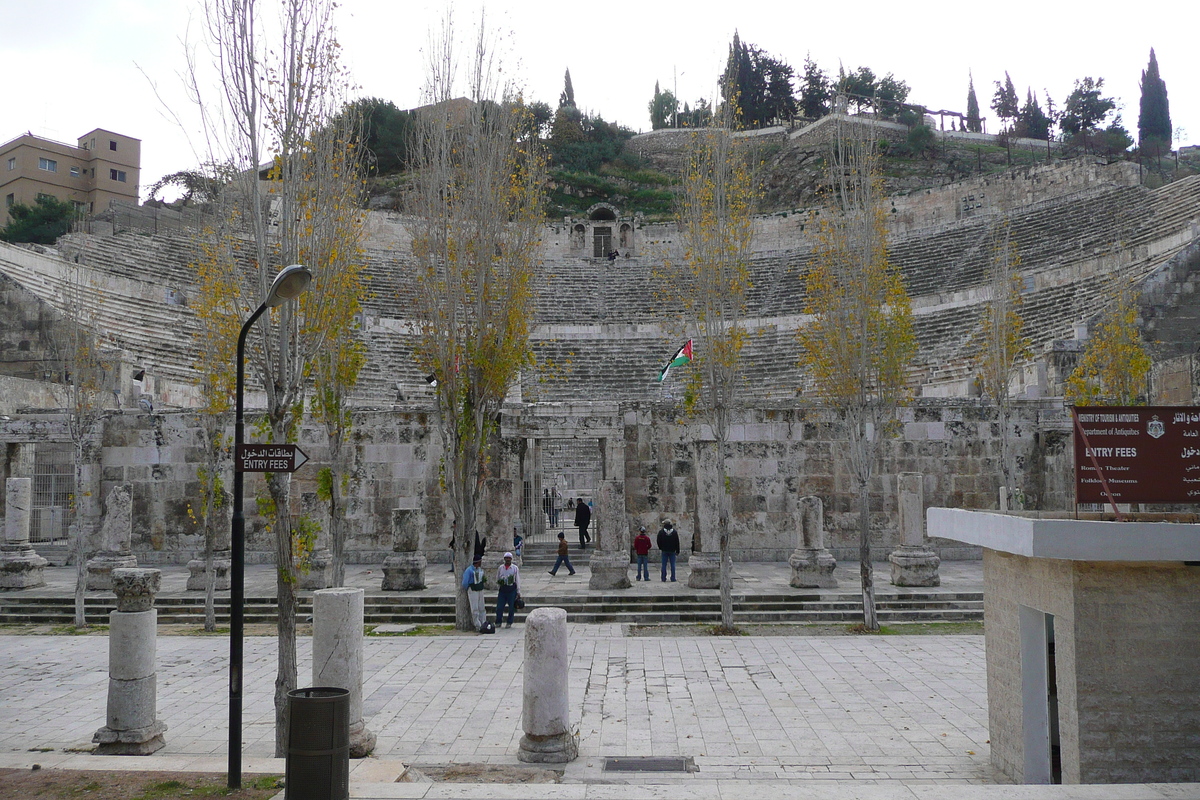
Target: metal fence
(53, 487)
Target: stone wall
(773, 453)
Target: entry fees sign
(269, 458)
(1147, 454)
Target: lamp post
(289, 284)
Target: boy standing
(641, 546)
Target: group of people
(508, 581)
(508, 575)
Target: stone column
(133, 727)
(221, 531)
(404, 569)
(20, 566)
(116, 534)
(337, 658)
(545, 711)
(319, 568)
(812, 565)
(913, 563)
(704, 565)
(609, 564)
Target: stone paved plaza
(829, 716)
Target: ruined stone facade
(591, 408)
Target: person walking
(668, 543)
(474, 580)
(508, 578)
(641, 546)
(583, 515)
(562, 556)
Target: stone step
(610, 607)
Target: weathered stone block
(135, 588)
(704, 571)
(812, 569)
(915, 566)
(404, 572)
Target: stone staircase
(620, 607)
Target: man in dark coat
(668, 543)
(583, 515)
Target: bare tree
(294, 196)
(860, 339)
(716, 229)
(1001, 344)
(478, 204)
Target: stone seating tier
(596, 326)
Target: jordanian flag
(682, 356)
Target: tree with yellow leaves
(218, 314)
(1115, 363)
(714, 217)
(1001, 345)
(293, 198)
(477, 199)
(860, 340)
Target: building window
(80, 207)
(44, 196)
(12, 163)
(74, 172)
(48, 164)
(9, 200)
(92, 144)
(112, 145)
(117, 175)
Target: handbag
(519, 603)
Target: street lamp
(289, 284)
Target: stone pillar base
(99, 569)
(320, 571)
(135, 742)
(915, 566)
(609, 570)
(362, 740)
(198, 576)
(812, 568)
(704, 571)
(22, 570)
(404, 572)
(556, 749)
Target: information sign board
(1146, 454)
(269, 458)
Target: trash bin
(318, 751)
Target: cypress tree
(1154, 117)
(974, 122)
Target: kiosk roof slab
(1068, 539)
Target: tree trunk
(210, 575)
(80, 572)
(725, 582)
(279, 486)
(870, 618)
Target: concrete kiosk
(1092, 632)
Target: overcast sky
(73, 65)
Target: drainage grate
(650, 764)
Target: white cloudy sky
(72, 65)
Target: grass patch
(71, 630)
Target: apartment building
(103, 166)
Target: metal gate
(571, 469)
(53, 487)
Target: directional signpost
(269, 458)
